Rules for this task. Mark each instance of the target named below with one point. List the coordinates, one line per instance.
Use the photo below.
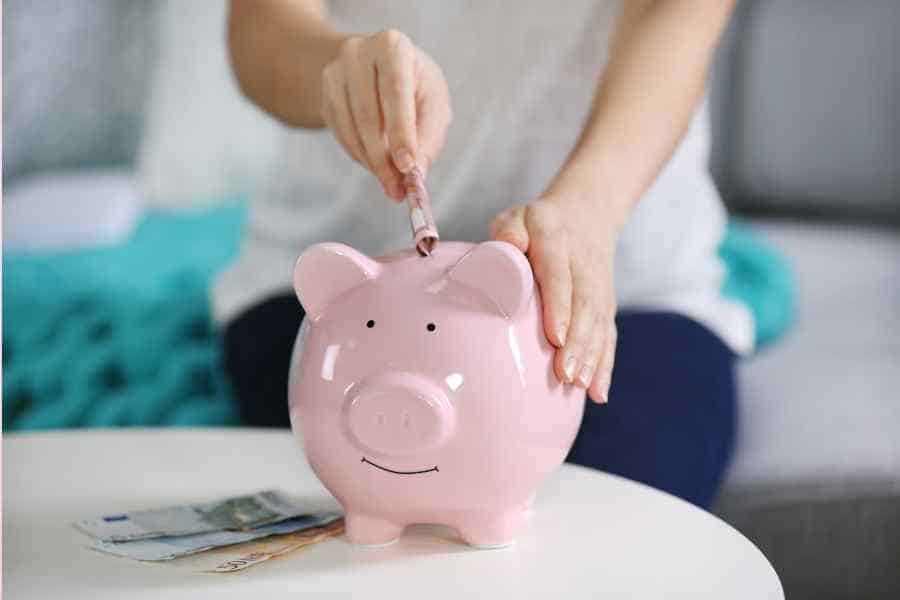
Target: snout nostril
(405, 420)
(380, 419)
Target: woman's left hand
(571, 247)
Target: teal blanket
(761, 278)
(122, 336)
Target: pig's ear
(499, 271)
(325, 271)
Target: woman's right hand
(388, 104)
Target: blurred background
(129, 154)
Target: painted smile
(369, 462)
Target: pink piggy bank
(423, 389)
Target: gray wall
(806, 109)
(76, 79)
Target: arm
(278, 50)
(385, 100)
(659, 58)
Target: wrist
(584, 185)
(298, 91)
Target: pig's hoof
(489, 532)
(495, 546)
(376, 546)
(371, 531)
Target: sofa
(806, 106)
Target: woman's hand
(388, 105)
(570, 246)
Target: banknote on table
(237, 513)
(243, 556)
(171, 547)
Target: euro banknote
(424, 230)
(171, 547)
(238, 513)
(243, 556)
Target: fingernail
(584, 376)
(403, 160)
(604, 395)
(569, 368)
(561, 334)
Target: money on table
(238, 557)
(170, 547)
(240, 513)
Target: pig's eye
(370, 323)
(431, 327)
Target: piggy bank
(423, 391)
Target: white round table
(591, 534)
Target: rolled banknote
(422, 222)
(237, 513)
(170, 547)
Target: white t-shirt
(522, 74)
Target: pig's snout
(396, 414)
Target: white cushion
(69, 210)
(821, 408)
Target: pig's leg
(491, 530)
(370, 531)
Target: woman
(572, 139)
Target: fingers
(576, 361)
(551, 262)
(509, 226)
(365, 107)
(396, 90)
(388, 105)
(599, 389)
(336, 113)
(575, 277)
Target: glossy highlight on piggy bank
(423, 391)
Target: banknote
(244, 556)
(421, 221)
(170, 547)
(236, 513)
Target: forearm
(659, 59)
(278, 49)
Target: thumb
(509, 226)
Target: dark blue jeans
(670, 420)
